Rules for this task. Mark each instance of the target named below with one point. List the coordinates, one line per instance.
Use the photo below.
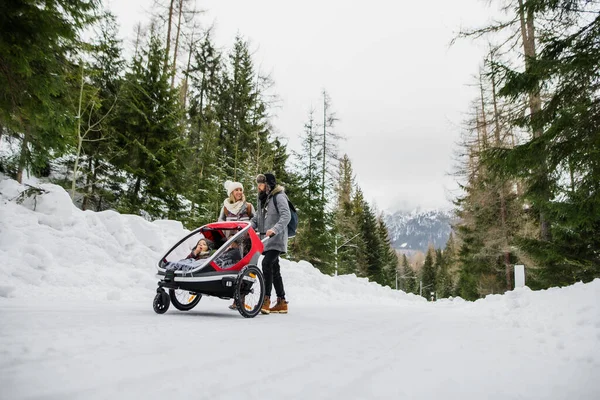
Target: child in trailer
(201, 250)
(196, 258)
(231, 256)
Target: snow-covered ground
(76, 321)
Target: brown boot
(233, 306)
(266, 305)
(281, 307)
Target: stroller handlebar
(266, 238)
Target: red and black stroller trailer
(220, 275)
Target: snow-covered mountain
(417, 229)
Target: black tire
(161, 302)
(249, 291)
(179, 300)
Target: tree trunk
(187, 71)
(138, 37)
(192, 210)
(168, 46)
(79, 138)
(503, 212)
(535, 99)
(76, 167)
(86, 196)
(255, 123)
(310, 155)
(475, 149)
(23, 155)
(572, 177)
(134, 194)
(94, 187)
(324, 145)
(174, 67)
(483, 143)
(236, 158)
(138, 180)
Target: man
(271, 220)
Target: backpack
(293, 224)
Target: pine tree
(490, 211)
(313, 241)
(559, 162)
(554, 166)
(150, 137)
(204, 169)
(345, 223)
(358, 211)
(244, 131)
(230, 133)
(523, 23)
(451, 261)
(409, 277)
(370, 237)
(443, 282)
(344, 186)
(428, 274)
(35, 50)
(328, 147)
(106, 78)
(388, 255)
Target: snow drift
(52, 248)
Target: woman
(235, 207)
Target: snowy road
(124, 350)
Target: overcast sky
(399, 90)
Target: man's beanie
(271, 181)
(260, 178)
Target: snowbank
(567, 319)
(51, 248)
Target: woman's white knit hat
(231, 186)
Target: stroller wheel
(161, 302)
(184, 300)
(249, 291)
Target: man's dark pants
(272, 273)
